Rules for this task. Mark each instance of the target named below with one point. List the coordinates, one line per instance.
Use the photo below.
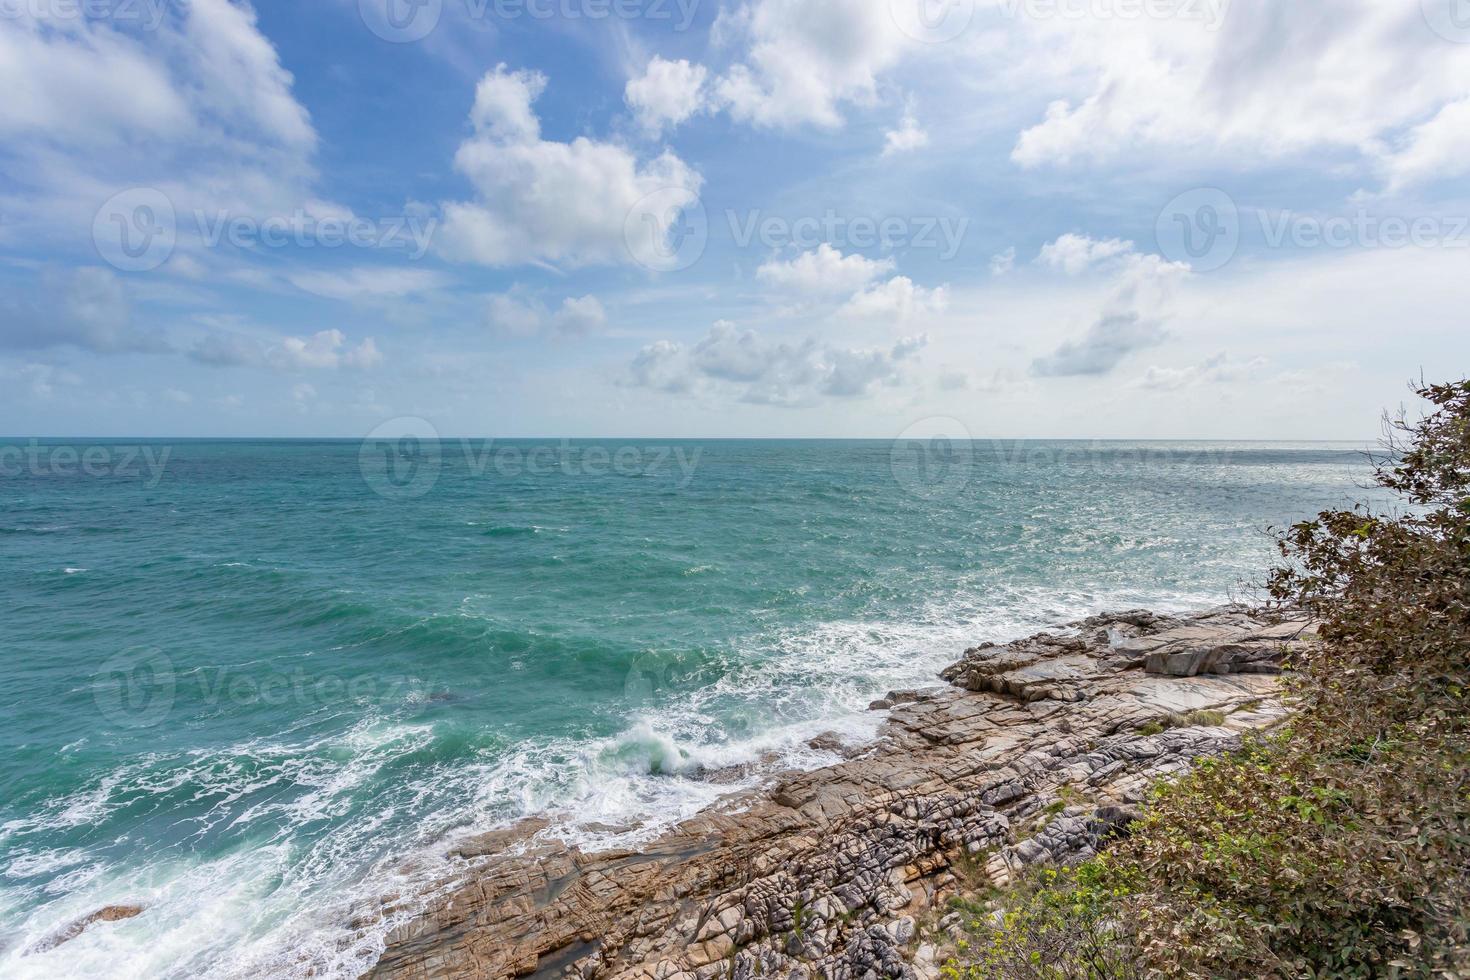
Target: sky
(730, 218)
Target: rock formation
(1038, 751)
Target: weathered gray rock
(1035, 754)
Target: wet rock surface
(108, 913)
(1040, 750)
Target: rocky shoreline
(1038, 750)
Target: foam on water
(605, 655)
(277, 907)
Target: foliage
(1058, 923)
(1340, 846)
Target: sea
(257, 688)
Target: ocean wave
(305, 836)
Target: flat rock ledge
(1039, 750)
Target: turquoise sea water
(256, 686)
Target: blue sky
(1012, 218)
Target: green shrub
(1339, 846)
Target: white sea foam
(292, 899)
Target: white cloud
(661, 366)
(1075, 254)
(1107, 342)
(1001, 263)
(1132, 316)
(907, 137)
(897, 299)
(366, 282)
(1220, 368)
(742, 365)
(802, 60)
(502, 109)
(822, 273)
(198, 107)
(1436, 149)
(666, 94)
(520, 316)
(1273, 80)
(544, 201)
(323, 350)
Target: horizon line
(564, 438)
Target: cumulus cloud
(746, 366)
(1075, 254)
(544, 201)
(822, 272)
(662, 366)
(909, 136)
(522, 316)
(897, 299)
(1273, 80)
(825, 274)
(198, 106)
(803, 60)
(666, 94)
(323, 350)
(1001, 263)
